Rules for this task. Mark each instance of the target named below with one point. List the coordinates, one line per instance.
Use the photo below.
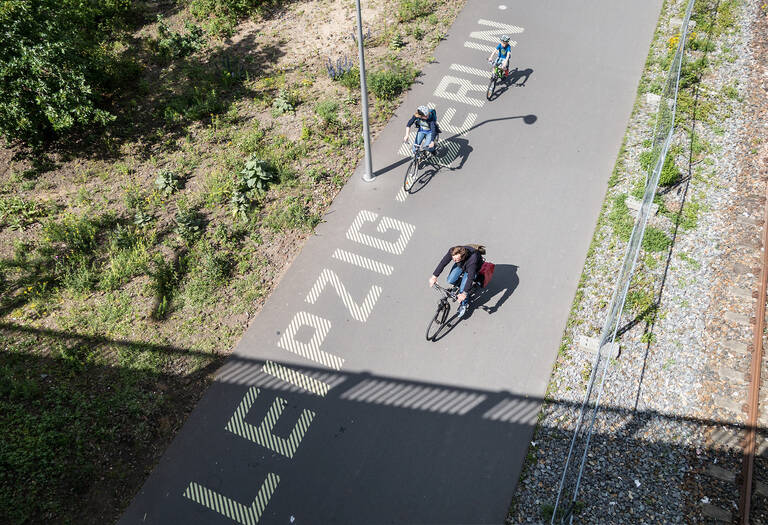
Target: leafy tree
(54, 64)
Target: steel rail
(753, 398)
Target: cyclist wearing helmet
(466, 265)
(502, 51)
(427, 128)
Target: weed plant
(18, 213)
(655, 240)
(620, 219)
(342, 66)
(172, 45)
(389, 83)
(167, 181)
(328, 111)
(408, 10)
(254, 180)
(285, 102)
(190, 223)
(291, 214)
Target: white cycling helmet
(505, 38)
(423, 110)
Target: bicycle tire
(438, 321)
(491, 87)
(411, 174)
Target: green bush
(292, 214)
(691, 72)
(18, 213)
(646, 159)
(254, 179)
(171, 44)
(256, 175)
(221, 16)
(670, 175)
(71, 236)
(655, 240)
(51, 76)
(167, 181)
(328, 110)
(397, 41)
(285, 102)
(620, 219)
(164, 277)
(198, 103)
(690, 215)
(411, 9)
(388, 84)
(349, 79)
(189, 223)
(214, 265)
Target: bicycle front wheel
(411, 174)
(491, 87)
(438, 321)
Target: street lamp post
(368, 175)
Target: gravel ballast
(665, 442)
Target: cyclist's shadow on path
(505, 281)
(517, 78)
(452, 154)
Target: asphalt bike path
(334, 408)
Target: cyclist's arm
(433, 131)
(408, 128)
(442, 264)
(472, 268)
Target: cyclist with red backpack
(467, 261)
(426, 122)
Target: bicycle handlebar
(445, 291)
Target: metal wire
(662, 137)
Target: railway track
(756, 379)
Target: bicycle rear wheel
(438, 321)
(491, 87)
(411, 174)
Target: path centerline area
(333, 407)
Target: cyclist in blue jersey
(502, 53)
(426, 122)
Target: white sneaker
(462, 311)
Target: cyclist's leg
(434, 139)
(429, 138)
(419, 139)
(464, 278)
(454, 274)
(505, 65)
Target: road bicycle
(497, 74)
(420, 157)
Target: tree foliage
(55, 62)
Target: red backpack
(486, 270)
